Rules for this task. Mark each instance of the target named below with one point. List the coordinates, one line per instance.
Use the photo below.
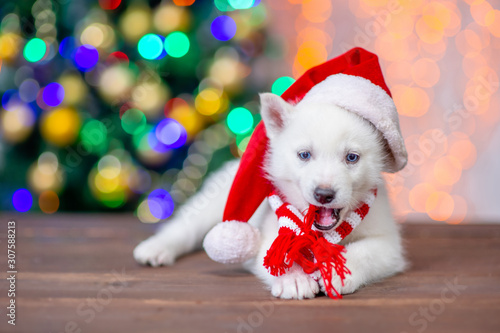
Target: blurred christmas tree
(125, 105)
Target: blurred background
(126, 105)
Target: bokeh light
(223, 28)
(60, 126)
(86, 57)
(208, 102)
(109, 4)
(22, 200)
(171, 133)
(28, 90)
(241, 4)
(240, 120)
(35, 50)
(281, 85)
(17, 123)
(117, 57)
(150, 46)
(161, 204)
(133, 121)
(177, 44)
(93, 136)
(67, 47)
(184, 2)
(53, 94)
(48, 201)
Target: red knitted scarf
(313, 250)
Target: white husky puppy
(347, 156)
(326, 144)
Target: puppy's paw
(348, 287)
(294, 285)
(154, 252)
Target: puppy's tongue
(326, 216)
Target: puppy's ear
(275, 113)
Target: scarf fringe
(310, 250)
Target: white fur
(373, 249)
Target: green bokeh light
(150, 46)
(240, 121)
(133, 121)
(281, 85)
(177, 44)
(94, 136)
(241, 4)
(223, 5)
(140, 139)
(35, 50)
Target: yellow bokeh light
(169, 18)
(317, 11)
(150, 97)
(425, 72)
(106, 185)
(400, 26)
(135, 22)
(447, 170)
(310, 54)
(115, 82)
(426, 29)
(418, 196)
(9, 46)
(109, 167)
(439, 206)
(207, 102)
(189, 118)
(482, 12)
(40, 180)
(315, 34)
(465, 152)
(60, 126)
(494, 27)
(144, 213)
(410, 101)
(75, 89)
(17, 123)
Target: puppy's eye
(304, 155)
(352, 158)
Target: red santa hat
(353, 81)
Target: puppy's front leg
(294, 284)
(370, 259)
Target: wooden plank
(77, 274)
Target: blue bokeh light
(161, 205)
(53, 94)
(223, 28)
(171, 133)
(10, 98)
(67, 47)
(155, 144)
(86, 57)
(22, 200)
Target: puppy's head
(323, 155)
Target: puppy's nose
(324, 195)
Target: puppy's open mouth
(327, 218)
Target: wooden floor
(76, 274)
